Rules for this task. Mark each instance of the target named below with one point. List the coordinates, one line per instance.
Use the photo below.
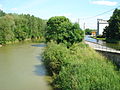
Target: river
(111, 45)
(21, 67)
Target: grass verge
(80, 68)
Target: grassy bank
(101, 39)
(80, 68)
(98, 38)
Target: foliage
(99, 36)
(88, 31)
(20, 27)
(113, 30)
(2, 13)
(54, 57)
(61, 30)
(80, 68)
(7, 26)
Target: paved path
(101, 47)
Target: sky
(82, 11)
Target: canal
(21, 67)
(111, 45)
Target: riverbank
(98, 38)
(106, 40)
(39, 40)
(80, 67)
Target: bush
(112, 40)
(80, 68)
(55, 56)
(100, 36)
(86, 77)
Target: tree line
(20, 27)
(89, 31)
(24, 26)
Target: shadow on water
(40, 70)
(39, 58)
(39, 45)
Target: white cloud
(104, 2)
(14, 9)
(1, 7)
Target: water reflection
(40, 70)
(39, 45)
(39, 57)
(88, 38)
(111, 45)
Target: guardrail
(100, 47)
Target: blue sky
(73, 9)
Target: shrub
(55, 56)
(100, 36)
(87, 77)
(80, 68)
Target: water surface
(111, 45)
(21, 67)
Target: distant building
(93, 33)
(101, 24)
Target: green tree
(113, 30)
(6, 29)
(61, 30)
(20, 27)
(2, 13)
(88, 31)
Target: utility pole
(84, 26)
(98, 26)
(78, 20)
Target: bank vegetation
(72, 64)
(19, 27)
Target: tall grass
(80, 68)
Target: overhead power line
(100, 13)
